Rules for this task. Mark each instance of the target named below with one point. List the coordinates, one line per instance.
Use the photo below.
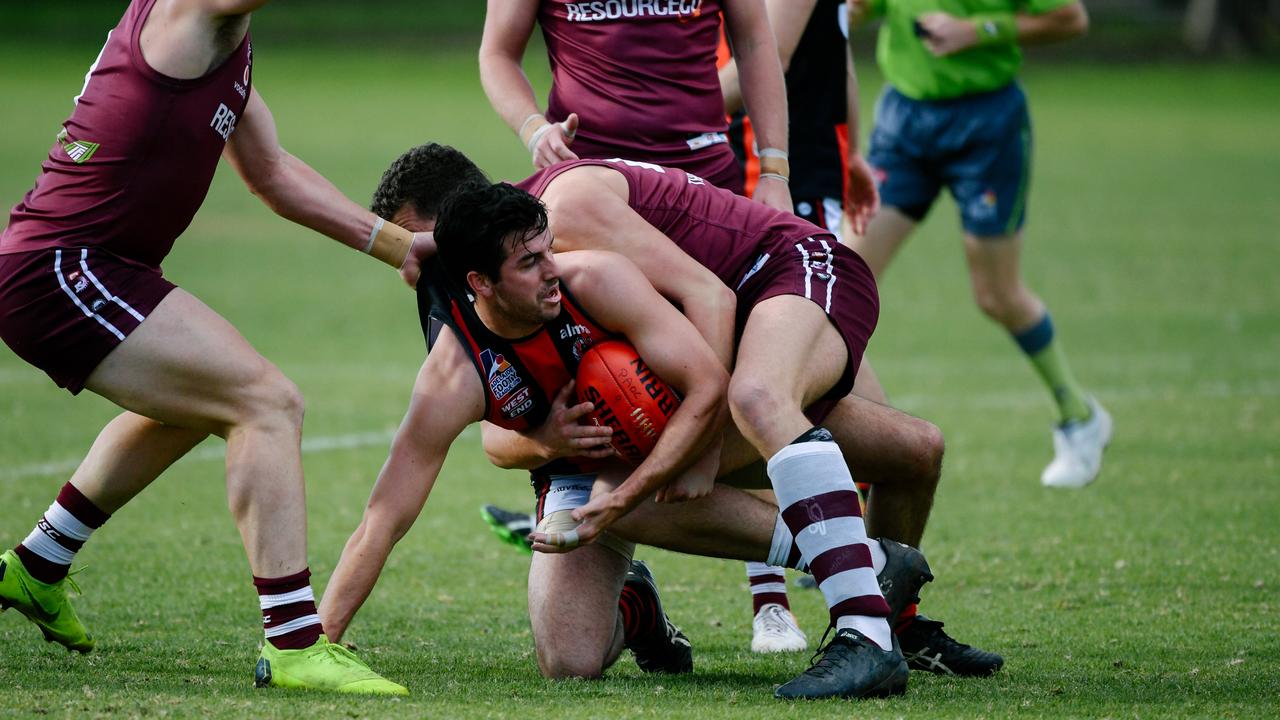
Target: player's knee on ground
(556, 666)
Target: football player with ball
(507, 321)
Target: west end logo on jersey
(615, 9)
(503, 378)
(519, 404)
(78, 150)
(224, 121)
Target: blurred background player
(82, 297)
(953, 114)
(645, 88)
(639, 85)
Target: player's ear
(480, 284)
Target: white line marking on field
(217, 451)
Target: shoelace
(822, 667)
(336, 654)
(71, 581)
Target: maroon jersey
(134, 161)
(726, 233)
(522, 376)
(641, 74)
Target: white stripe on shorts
(84, 265)
(299, 595)
(831, 270)
(62, 282)
(808, 271)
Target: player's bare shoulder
(583, 200)
(188, 40)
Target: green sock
(1047, 358)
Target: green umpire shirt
(909, 66)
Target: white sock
(878, 558)
(875, 628)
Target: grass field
(1154, 593)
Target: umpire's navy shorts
(977, 146)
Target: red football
(627, 395)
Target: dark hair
(424, 177)
(478, 226)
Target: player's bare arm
(616, 294)
(946, 34)
(447, 396)
(507, 27)
(788, 18)
(588, 210)
(295, 191)
(763, 93)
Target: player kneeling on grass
(506, 322)
(694, 242)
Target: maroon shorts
(836, 279)
(64, 309)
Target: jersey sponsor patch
(519, 404)
(78, 150)
(598, 10)
(224, 121)
(502, 377)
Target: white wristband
(373, 234)
(537, 135)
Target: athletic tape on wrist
(525, 125)
(775, 166)
(390, 243)
(776, 176)
(772, 152)
(537, 135)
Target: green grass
(1153, 593)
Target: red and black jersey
(521, 376)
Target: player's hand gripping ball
(627, 395)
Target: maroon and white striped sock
(289, 610)
(819, 505)
(768, 585)
(48, 551)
